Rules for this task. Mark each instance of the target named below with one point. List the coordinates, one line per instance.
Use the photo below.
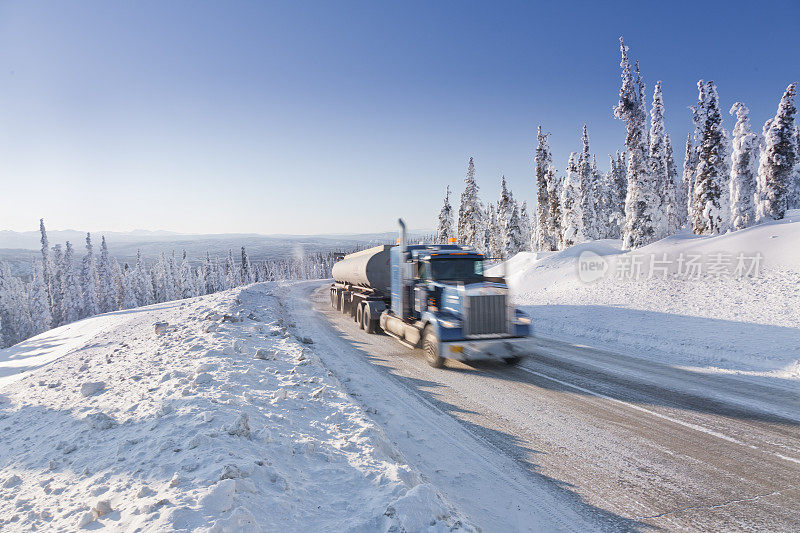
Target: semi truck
(434, 297)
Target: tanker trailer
(434, 297)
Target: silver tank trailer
(367, 268)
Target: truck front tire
(430, 347)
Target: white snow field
(729, 303)
(224, 421)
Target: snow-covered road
(576, 436)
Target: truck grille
(486, 314)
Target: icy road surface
(575, 435)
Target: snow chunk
(220, 498)
(100, 421)
(102, 508)
(240, 520)
(240, 428)
(90, 388)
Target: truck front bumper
(487, 349)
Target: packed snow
(206, 414)
(649, 303)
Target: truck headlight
(450, 323)
(523, 320)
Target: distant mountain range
(20, 247)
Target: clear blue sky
(320, 117)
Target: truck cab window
(456, 269)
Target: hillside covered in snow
(204, 414)
(728, 303)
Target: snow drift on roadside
(732, 322)
(226, 421)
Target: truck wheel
(338, 297)
(333, 298)
(343, 303)
(430, 346)
(369, 324)
(360, 316)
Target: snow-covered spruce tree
(107, 289)
(210, 275)
(640, 200)
(587, 186)
(664, 218)
(39, 300)
(617, 191)
(188, 279)
(554, 188)
(444, 231)
(71, 294)
(56, 284)
(142, 282)
(493, 233)
(505, 206)
(46, 263)
(571, 219)
(686, 188)
(471, 223)
(231, 272)
(600, 194)
(709, 215)
(777, 162)
(744, 168)
(675, 210)
(794, 199)
(245, 269)
(526, 231)
(119, 283)
(14, 308)
(545, 239)
(129, 299)
(512, 233)
(90, 281)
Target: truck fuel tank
(367, 268)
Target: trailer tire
(430, 347)
(513, 360)
(360, 316)
(333, 298)
(370, 324)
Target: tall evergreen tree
(108, 284)
(686, 189)
(41, 317)
(56, 284)
(778, 159)
(142, 282)
(90, 281)
(709, 215)
(46, 264)
(471, 223)
(794, 199)
(512, 234)
(659, 172)
(744, 169)
(554, 187)
(231, 272)
(71, 297)
(640, 200)
(545, 240)
(673, 201)
(526, 231)
(493, 239)
(188, 279)
(246, 269)
(571, 217)
(444, 232)
(586, 180)
(129, 282)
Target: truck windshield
(456, 269)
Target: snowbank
(226, 421)
(729, 303)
